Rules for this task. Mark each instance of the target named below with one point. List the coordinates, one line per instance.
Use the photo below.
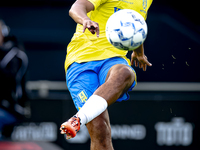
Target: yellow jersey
(86, 47)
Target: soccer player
(98, 74)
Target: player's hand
(139, 59)
(92, 26)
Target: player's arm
(140, 58)
(79, 11)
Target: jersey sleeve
(149, 4)
(97, 3)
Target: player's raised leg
(119, 79)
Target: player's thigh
(111, 67)
(117, 66)
(82, 87)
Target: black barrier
(165, 124)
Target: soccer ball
(126, 29)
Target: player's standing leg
(118, 80)
(100, 132)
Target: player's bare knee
(126, 75)
(102, 132)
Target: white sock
(93, 107)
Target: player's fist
(92, 26)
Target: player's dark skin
(1, 35)
(118, 80)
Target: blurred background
(34, 99)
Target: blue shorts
(84, 78)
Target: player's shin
(93, 107)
